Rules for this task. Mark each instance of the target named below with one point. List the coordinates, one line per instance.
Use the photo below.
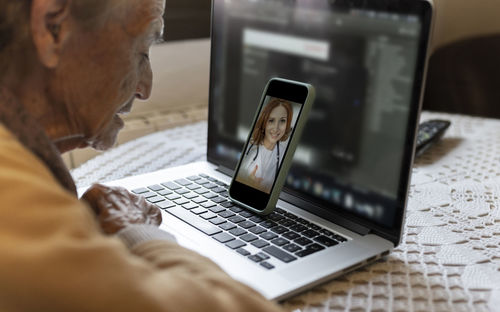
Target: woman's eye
(271, 120)
(145, 56)
(283, 120)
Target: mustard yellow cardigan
(53, 256)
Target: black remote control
(429, 132)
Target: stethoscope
(277, 156)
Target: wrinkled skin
(117, 208)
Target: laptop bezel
(339, 215)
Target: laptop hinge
(225, 170)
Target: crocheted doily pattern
(449, 258)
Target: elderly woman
(68, 69)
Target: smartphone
(270, 146)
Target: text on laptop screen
(362, 64)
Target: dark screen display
(363, 64)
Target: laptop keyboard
(202, 201)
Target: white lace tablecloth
(449, 259)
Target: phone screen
(259, 177)
(268, 143)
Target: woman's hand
(116, 208)
(256, 181)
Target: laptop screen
(366, 64)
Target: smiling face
(276, 125)
(104, 69)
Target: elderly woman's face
(103, 71)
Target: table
(449, 259)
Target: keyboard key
(212, 179)
(243, 251)
(236, 219)
(279, 254)
(182, 191)
(218, 199)
(224, 194)
(298, 228)
(155, 199)
(263, 256)
(190, 195)
(173, 196)
(325, 241)
(235, 244)
(194, 221)
(165, 204)
(216, 209)
(189, 206)
(279, 229)
(247, 224)
(309, 250)
(208, 215)
(268, 224)
(223, 237)
(303, 221)
(194, 178)
(140, 190)
(209, 195)
(202, 181)
(198, 211)
(181, 201)
(171, 185)
(267, 265)
(255, 258)
(246, 214)
(249, 237)
(280, 211)
(227, 204)
(291, 235)
(210, 185)
(193, 187)
(257, 230)
(165, 192)
(280, 241)
(309, 233)
(208, 204)
(303, 241)
(221, 184)
(286, 223)
(227, 226)
(268, 235)
(156, 187)
(339, 238)
(219, 190)
(199, 200)
(149, 194)
(226, 214)
(217, 221)
(238, 231)
(256, 219)
(275, 217)
(182, 182)
(204, 175)
(201, 191)
(292, 247)
(235, 209)
(314, 227)
(260, 243)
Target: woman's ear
(50, 28)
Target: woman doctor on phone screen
(268, 144)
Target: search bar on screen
(314, 49)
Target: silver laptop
(344, 200)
